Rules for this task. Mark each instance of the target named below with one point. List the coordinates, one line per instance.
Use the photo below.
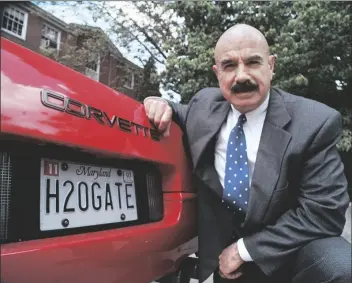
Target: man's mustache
(246, 86)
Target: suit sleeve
(179, 113)
(322, 204)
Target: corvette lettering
(63, 103)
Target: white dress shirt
(252, 130)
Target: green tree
(314, 57)
(150, 83)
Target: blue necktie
(236, 191)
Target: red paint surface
(133, 254)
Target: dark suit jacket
(298, 191)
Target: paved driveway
(347, 231)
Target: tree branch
(136, 37)
(149, 38)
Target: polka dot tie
(236, 192)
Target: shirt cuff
(242, 250)
(154, 97)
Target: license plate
(78, 195)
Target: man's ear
(272, 64)
(215, 69)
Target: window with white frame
(129, 79)
(93, 68)
(50, 37)
(14, 21)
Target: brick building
(42, 32)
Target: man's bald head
(243, 67)
(238, 35)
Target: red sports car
(89, 191)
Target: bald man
(272, 194)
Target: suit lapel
(206, 130)
(272, 147)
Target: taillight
(5, 193)
(155, 196)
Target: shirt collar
(252, 115)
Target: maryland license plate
(79, 195)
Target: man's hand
(159, 113)
(229, 262)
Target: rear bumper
(137, 254)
